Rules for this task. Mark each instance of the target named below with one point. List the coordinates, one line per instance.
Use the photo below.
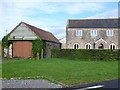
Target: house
(24, 34)
(92, 34)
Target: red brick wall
(22, 49)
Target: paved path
(29, 84)
(46, 84)
(111, 84)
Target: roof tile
(93, 23)
(43, 34)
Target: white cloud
(109, 14)
(65, 7)
(77, 8)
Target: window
(93, 32)
(79, 32)
(87, 46)
(109, 32)
(112, 46)
(76, 46)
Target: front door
(101, 46)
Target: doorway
(101, 46)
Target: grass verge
(63, 71)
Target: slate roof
(44, 35)
(93, 23)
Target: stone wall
(50, 46)
(71, 37)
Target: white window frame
(109, 32)
(93, 33)
(88, 45)
(76, 44)
(112, 46)
(79, 33)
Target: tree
(5, 44)
(37, 47)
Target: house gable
(22, 32)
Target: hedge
(86, 54)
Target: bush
(86, 54)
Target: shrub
(86, 54)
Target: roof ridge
(35, 27)
(96, 19)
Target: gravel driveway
(29, 84)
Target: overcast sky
(52, 16)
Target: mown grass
(67, 72)
(0, 70)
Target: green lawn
(66, 72)
(0, 70)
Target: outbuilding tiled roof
(44, 35)
(93, 23)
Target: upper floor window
(79, 33)
(93, 32)
(76, 46)
(109, 32)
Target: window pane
(89, 46)
(110, 46)
(113, 47)
(76, 46)
(109, 32)
(86, 46)
(79, 32)
(94, 33)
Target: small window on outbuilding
(13, 37)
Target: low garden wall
(86, 54)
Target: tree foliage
(37, 46)
(5, 44)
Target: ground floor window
(112, 46)
(76, 46)
(88, 46)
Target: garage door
(22, 49)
